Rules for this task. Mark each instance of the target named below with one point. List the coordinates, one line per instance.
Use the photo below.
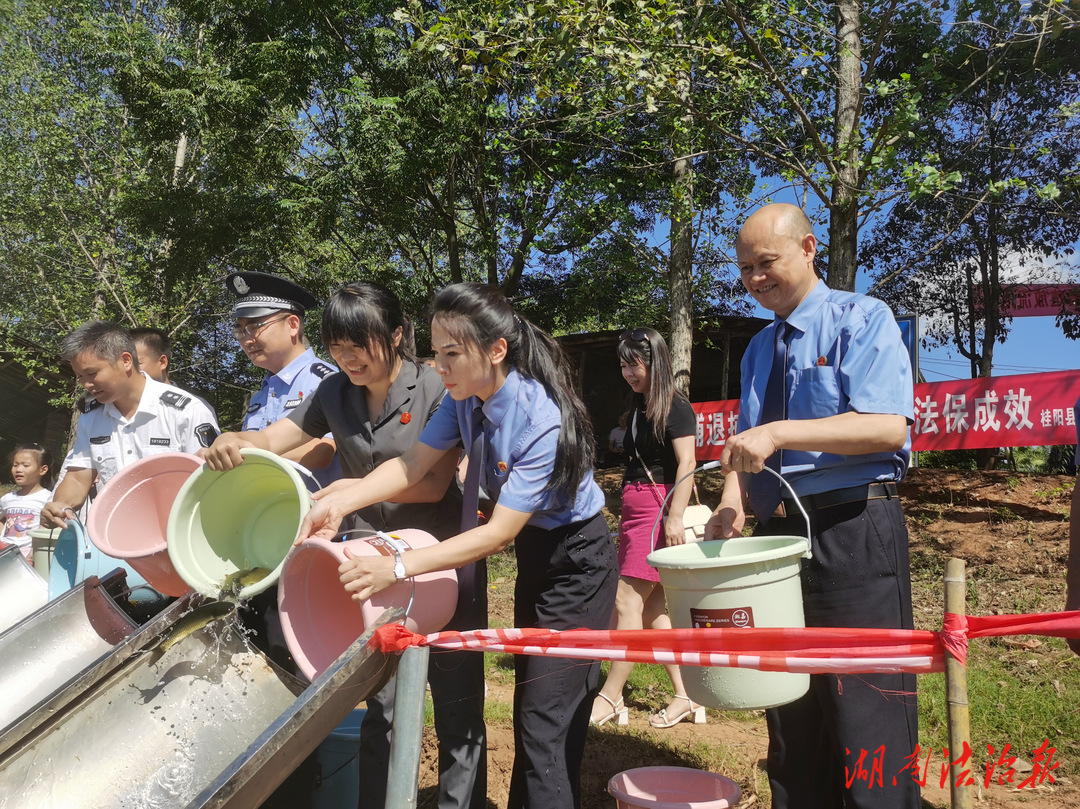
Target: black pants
(859, 577)
(567, 579)
(457, 696)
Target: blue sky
(1034, 345)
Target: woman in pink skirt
(659, 450)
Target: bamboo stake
(959, 716)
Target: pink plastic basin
(672, 788)
(319, 618)
(128, 518)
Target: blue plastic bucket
(75, 558)
(339, 765)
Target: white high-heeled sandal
(695, 712)
(619, 712)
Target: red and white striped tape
(814, 650)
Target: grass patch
(1017, 696)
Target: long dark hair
(478, 315)
(648, 347)
(367, 314)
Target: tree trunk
(844, 203)
(681, 256)
(681, 272)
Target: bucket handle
(85, 536)
(340, 537)
(716, 465)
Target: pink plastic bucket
(319, 618)
(128, 517)
(672, 788)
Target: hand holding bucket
(734, 583)
(319, 617)
(129, 517)
(244, 518)
(716, 465)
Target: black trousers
(457, 694)
(567, 579)
(859, 576)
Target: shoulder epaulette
(321, 369)
(86, 404)
(176, 399)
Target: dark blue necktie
(471, 494)
(764, 487)
(470, 505)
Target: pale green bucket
(224, 522)
(736, 583)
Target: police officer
(126, 416)
(269, 312)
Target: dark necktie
(471, 495)
(764, 487)
(472, 578)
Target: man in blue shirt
(269, 312)
(832, 416)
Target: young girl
(530, 446)
(659, 451)
(21, 509)
(375, 407)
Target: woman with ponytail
(512, 406)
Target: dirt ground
(1010, 529)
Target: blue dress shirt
(845, 354)
(521, 432)
(283, 392)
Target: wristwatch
(399, 567)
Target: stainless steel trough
(24, 591)
(210, 722)
(53, 655)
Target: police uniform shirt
(282, 392)
(363, 442)
(521, 432)
(845, 353)
(167, 419)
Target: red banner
(1027, 410)
(1039, 300)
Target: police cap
(259, 294)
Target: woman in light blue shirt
(512, 406)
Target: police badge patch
(206, 433)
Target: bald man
(827, 400)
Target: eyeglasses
(252, 330)
(637, 335)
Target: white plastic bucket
(43, 548)
(736, 583)
(672, 788)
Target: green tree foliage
(998, 110)
(786, 84)
(133, 173)
(468, 166)
(670, 167)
